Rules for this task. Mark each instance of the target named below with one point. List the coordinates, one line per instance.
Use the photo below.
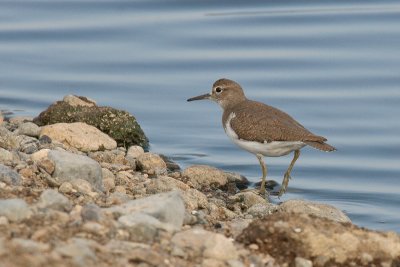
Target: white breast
(272, 149)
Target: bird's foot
(285, 184)
(263, 192)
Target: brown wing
(266, 123)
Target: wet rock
(118, 124)
(27, 144)
(69, 167)
(134, 151)
(313, 208)
(28, 128)
(240, 181)
(7, 139)
(171, 165)
(201, 243)
(51, 199)
(91, 212)
(166, 207)
(15, 210)
(326, 242)
(79, 135)
(202, 176)
(76, 101)
(151, 163)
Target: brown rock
(314, 208)
(79, 135)
(202, 176)
(151, 163)
(286, 236)
(47, 165)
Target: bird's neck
(229, 104)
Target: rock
(124, 247)
(108, 180)
(76, 101)
(66, 188)
(166, 207)
(27, 144)
(202, 243)
(143, 227)
(262, 209)
(165, 184)
(91, 212)
(194, 199)
(313, 208)
(79, 135)
(40, 155)
(118, 124)
(29, 129)
(135, 151)
(47, 165)
(250, 198)
(236, 226)
(289, 235)
(7, 139)
(171, 165)
(79, 250)
(15, 210)
(29, 246)
(151, 163)
(83, 186)
(240, 181)
(69, 167)
(202, 176)
(51, 199)
(9, 176)
(18, 120)
(301, 262)
(115, 156)
(5, 155)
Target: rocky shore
(78, 189)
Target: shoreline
(74, 191)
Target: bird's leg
(286, 178)
(264, 173)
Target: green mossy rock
(118, 124)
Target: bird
(261, 129)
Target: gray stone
(27, 144)
(15, 210)
(51, 199)
(91, 212)
(70, 167)
(29, 129)
(9, 176)
(313, 208)
(166, 207)
(124, 247)
(143, 227)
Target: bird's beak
(200, 97)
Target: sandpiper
(261, 129)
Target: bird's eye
(218, 90)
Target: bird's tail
(320, 146)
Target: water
(335, 66)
